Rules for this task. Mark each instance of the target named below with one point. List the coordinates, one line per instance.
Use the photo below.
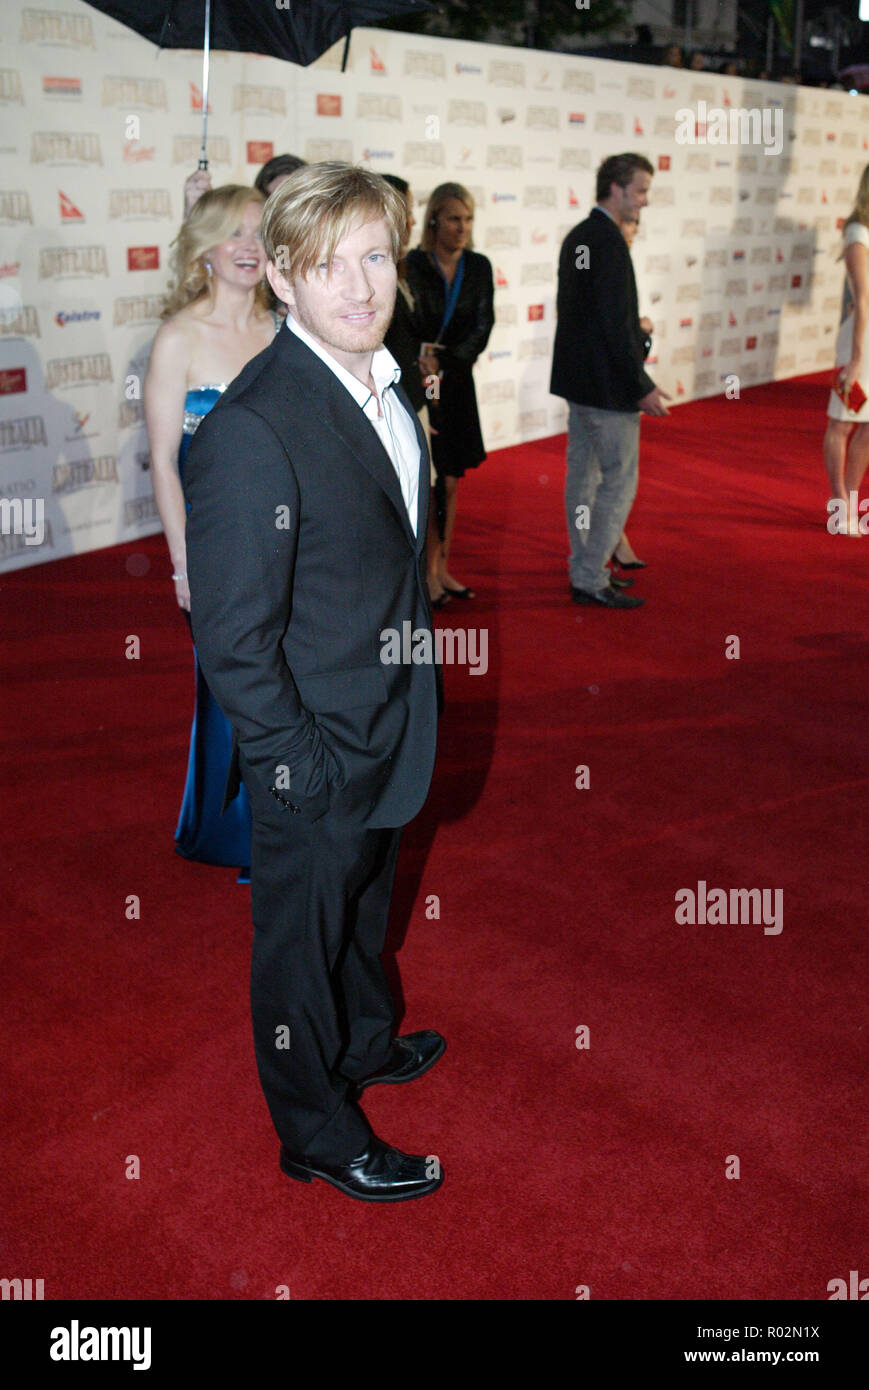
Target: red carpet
(603, 1166)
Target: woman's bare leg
(857, 459)
(448, 580)
(835, 450)
(625, 552)
(433, 553)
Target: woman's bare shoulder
(174, 338)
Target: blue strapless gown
(203, 833)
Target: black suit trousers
(323, 1013)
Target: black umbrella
(299, 31)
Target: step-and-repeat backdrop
(737, 256)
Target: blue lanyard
(451, 292)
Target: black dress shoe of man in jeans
(607, 598)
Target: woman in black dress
(403, 340)
(453, 291)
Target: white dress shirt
(393, 425)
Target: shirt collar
(606, 212)
(385, 371)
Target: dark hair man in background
(598, 367)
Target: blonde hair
(434, 207)
(212, 219)
(315, 208)
(861, 205)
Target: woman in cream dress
(846, 442)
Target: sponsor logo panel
(73, 476)
(186, 148)
(23, 432)
(259, 151)
(60, 88)
(62, 262)
(60, 147)
(13, 380)
(320, 149)
(256, 100)
(52, 27)
(15, 207)
(425, 64)
(139, 204)
(62, 372)
(141, 93)
(379, 106)
(143, 258)
(19, 321)
(138, 511)
(10, 87)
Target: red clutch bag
(856, 396)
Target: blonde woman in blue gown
(216, 319)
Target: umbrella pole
(206, 56)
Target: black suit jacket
(403, 339)
(598, 353)
(300, 556)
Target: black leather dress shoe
(379, 1174)
(618, 581)
(411, 1056)
(607, 598)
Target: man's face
(347, 306)
(630, 200)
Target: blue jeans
(603, 449)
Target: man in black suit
(308, 486)
(598, 366)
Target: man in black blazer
(598, 366)
(308, 488)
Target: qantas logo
(68, 210)
(196, 98)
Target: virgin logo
(143, 258)
(13, 380)
(259, 151)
